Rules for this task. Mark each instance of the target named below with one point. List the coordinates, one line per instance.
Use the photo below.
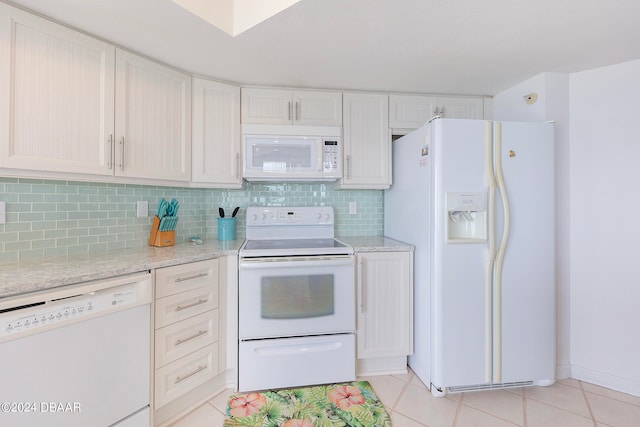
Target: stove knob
(255, 217)
(264, 216)
(319, 215)
(327, 217)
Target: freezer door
(460, 292)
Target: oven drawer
(178, 307)
(179, 339)
(185, 277)
(183, 375)
(292, 362)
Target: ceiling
(425, 46)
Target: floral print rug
(337, 405)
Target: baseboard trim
(623, 385)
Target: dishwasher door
(79, 356)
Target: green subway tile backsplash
(46, 218)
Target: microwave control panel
(331, 155)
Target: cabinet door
(153, 120)
(411, 111)
(56, 97)
(317, 108)
(385, 304)
(216, 134)
(367, 143)
(461, 108)
(266, 106)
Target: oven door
(296, 296)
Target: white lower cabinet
(188, 348)
(384, 331)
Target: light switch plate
(353, 208)
(142, 209)
(3, 212)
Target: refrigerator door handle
(491, 234)
(497, 301)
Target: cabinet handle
(237, 165)
(193, 304)
(195, 276)
(289, 118)
(192, 337)
(362, 284)
(297, 111)
(110, 157)
(189, 375)
(348, 166)
(121, 154)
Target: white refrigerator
(476, 198)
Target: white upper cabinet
(56, 97)
(153, 120)
(412, 111)
(283, 107)
(216, 144)
(366, 142)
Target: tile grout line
(524, 407)
(404, 388)
(458, 410)
(584, 395)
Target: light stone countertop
(46, 273)
(375, 244)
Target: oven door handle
(281, 262)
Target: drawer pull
(194, 336)
(189, 375)
(195, 276)
(193, 304)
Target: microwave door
(281, 157)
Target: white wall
(605, 236)
(552, 90)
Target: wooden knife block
(160, 238)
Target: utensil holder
(160, 238)
(226, 229)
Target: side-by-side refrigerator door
(461, 289)
(524, 292)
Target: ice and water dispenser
(466, 217)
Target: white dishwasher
(77, 355)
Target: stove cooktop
(294, 247)
(291, 231)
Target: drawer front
(186, 277)
(185, 337)
(294, 362)
(178, 307)
(183, 375)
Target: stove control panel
(274, 216)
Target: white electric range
(296, 313)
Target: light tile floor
(567, 403)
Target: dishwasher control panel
(40, 314)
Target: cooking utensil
(235, 211)
(162, 208)
(221, 212)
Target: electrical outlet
(3, 212)
(142, 208)
(353, 208)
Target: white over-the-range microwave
(291, 153)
